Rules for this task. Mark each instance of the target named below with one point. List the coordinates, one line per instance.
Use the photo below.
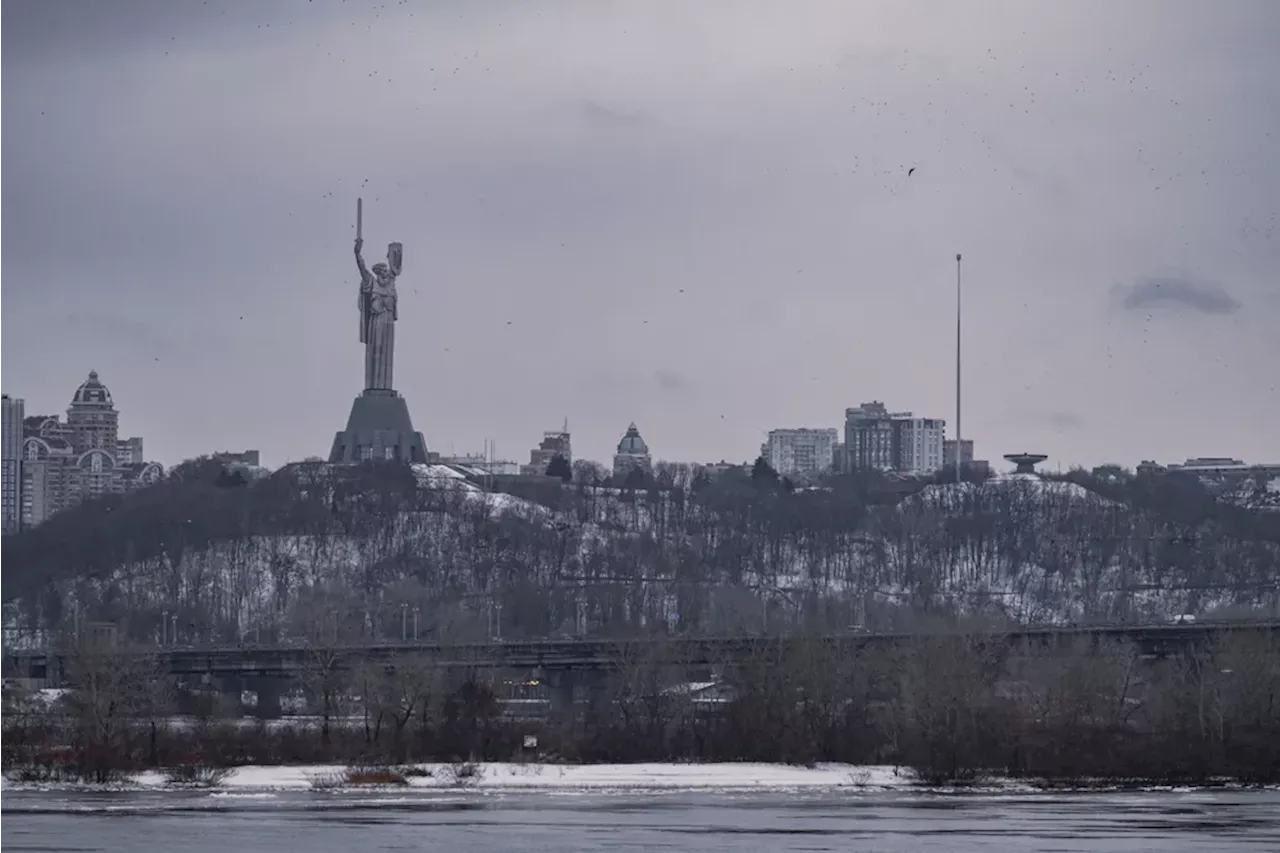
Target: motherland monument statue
(379, 426)
(378, 310)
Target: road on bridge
(594, 654)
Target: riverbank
(602, 778)
(530, 777)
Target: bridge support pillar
(231, 689)
(596, 685)
(55, 672)
(563, 686)
(268, 690)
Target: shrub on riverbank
(953, 709)
(197, 775)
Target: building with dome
(632, 453)
(65, 462)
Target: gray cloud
(1206, 297)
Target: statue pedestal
(379, 428)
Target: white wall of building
(922, 445)
(804, 452)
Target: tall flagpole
(958, 445)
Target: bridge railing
(726, 642)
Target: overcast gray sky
(696, 216)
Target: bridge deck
(285, 660)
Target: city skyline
(724, 245)
(488, 451)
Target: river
(483, 822)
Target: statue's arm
(364, 271)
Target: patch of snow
(261, 782)
(430, 475)
(1030, 485)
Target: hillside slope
(356, 552)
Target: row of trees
(954, 707)
(379, 550)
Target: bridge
(551, 656)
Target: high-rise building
(949, 452)
(46, 453)
(920, 444)
(248, 458)
(868, 437)
(632, 453)
(92, 417)
(801, 453)
(64, 463)
(553, 444)
(129, 450)
(11, 508)
(876, 438)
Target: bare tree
(111, 687)
(1074, 701)
(1247, 706)
(400, 691)
(324, 680)
(945, 703)
(646, 693)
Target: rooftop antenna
(958, 444)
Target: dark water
(487, 823)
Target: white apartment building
(921, 448)
(801, 453)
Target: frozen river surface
(479, 821)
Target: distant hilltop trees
(237, 556)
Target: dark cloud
(1065, 420)
(1206, 297)
(671, 380)
(602, 115)
(606, 210)
(53, 30)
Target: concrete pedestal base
(379, 428)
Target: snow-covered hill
(471, 562)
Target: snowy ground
(267, 782)
(554, 777)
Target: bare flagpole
(958, 445)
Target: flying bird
(911, 171)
